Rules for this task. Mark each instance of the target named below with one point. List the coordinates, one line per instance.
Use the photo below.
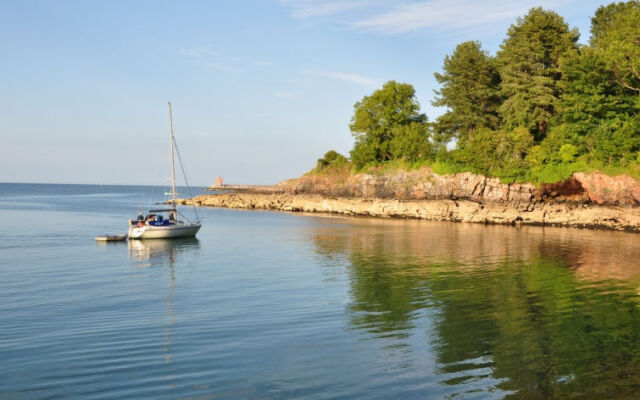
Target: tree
(529, 65)
(615, 34)
(470, 89)
(605, 17)
(497, 153)
(616, 141)
(595, 113)
(377, 119)
(331, 159)
(558, 147)
(411, 142)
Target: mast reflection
(160, 253)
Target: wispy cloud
(447, 14)
(392, 17)
(342, 76)
(221, 66)
(262, 63)
(302, 9)
(198, 52)
(288, 95)
(220, 62)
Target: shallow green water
(276, 305)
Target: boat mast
(173, 169)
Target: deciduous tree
(377, 119)
(615, 35)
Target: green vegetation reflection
(548, 314)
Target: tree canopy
(529, 60)
(383, 119)
(596, 114)
(539, 110)
(605, 19)
(616, 36)
(470, 91)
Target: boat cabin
(162, 217)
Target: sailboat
(164, 223)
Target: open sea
(269, 305)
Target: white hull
(163, 232)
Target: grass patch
(552, 173)
(632, 170)
(548, 173)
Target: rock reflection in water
(540, 312)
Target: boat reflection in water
(159, 252)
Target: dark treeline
(541, 108)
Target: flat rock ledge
(568, 214)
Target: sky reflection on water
(281, 305)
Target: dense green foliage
(529, 61)
(331, 159)
(470, 90)
(496, 153)
(538, 111)
(618, 43)
(605, 18)
(597, 115)
(386, 124)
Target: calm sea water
(269, 305)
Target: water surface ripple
(275, 305)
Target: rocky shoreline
(583, 201)
(570, 215)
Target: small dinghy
(110, 238)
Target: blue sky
(260, 89)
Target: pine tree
(529, 60)
(470, 90)
(605, 17)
